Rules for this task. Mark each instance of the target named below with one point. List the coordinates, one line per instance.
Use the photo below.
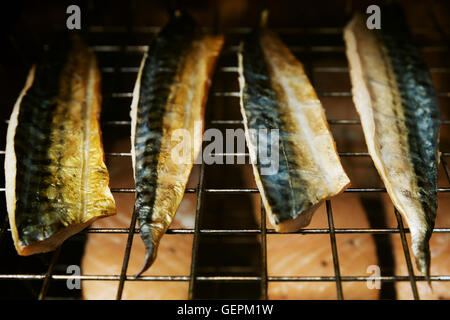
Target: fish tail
(421, 250)
(150, 254)
(425, 265)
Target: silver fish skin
(56, 178)
(169, 95)
(394, 96)
(277, 95)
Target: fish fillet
(56, 180)
(169, 96)
(276, 94)
(395, 99)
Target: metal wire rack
(193, 278)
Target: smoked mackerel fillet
(395, 99)
(56, 180)
(277, 95)
(169, 98)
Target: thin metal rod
(116, 123)
(118, 154)
(337, 271)
(220, 278)
(263, 252)
(225, 232)
(355, 278)
(346, 70)
(255, 190)
(198, 211)
(243, 30)
(119, 123)
(126, 257)
(407, 255)
(133, 49)
(348, 190)
(236, 94)
(122, 51)
(240, 154)
(331, 122)
(48, 274)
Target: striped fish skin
(170, 94)
(400, 116)
(276, 94)
(56, 180)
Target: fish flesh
(56, 179)
(400, 117)
(169, 96)
(277, 95)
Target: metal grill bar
(331, 122)
(235, 94)
(225, 232)
(263, 231)
(334, 251)
(254, 190)
(231, 154)
(116, 123)
(235, 69)
(131, 49)
(126, 257)
(198, 211)
(242, 30)
(48, 275)
(407, 255)
(220, 278)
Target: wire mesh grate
(201, 190)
